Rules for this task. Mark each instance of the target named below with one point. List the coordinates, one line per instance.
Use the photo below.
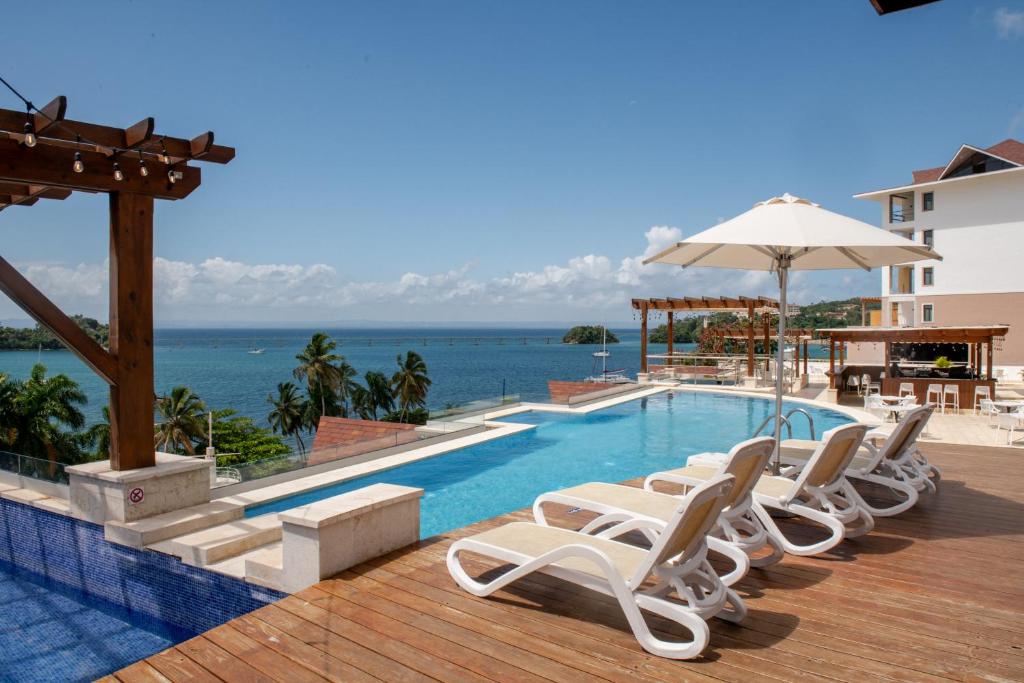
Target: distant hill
(589, 334)
(32, 338)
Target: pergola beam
(690, 303)
(52, 113)
(46, 313)
(51, 166)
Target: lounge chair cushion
(656, 505)
(534, 540)
(774, 487)
(803, 449)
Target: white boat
(256, 352)
(607, 376)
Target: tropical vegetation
(182, 421)
(589, 334)
(38, 337)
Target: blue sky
(483, 160)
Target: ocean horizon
(464, 363)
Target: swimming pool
(617, 443)
(51, 632)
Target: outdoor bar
(911, 354)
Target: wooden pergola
(864, 302)
(44, 155)
(800, 335)
(688, 304)
(977, 337)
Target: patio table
(1008, 406)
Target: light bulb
(30, 136)
(171, 176)
(143, 171)
(118, 174)
(78, 165)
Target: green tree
(235, 434)
(347, 384)
(288, 413)
(589, 334)
(181, 421)
(379, 392)
(410, 383)
(42, 416)
(317, 367)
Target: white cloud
(589, 287)
(1009, 23)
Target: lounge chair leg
(838, 531)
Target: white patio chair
(874, 404)
(868, 386)
(819, 493)
(988, 407)
(1010, 422)
(951, 396)
(981, 393)
(897, 464)
(621, 509)
(853, 383)
(677, 563)
(936, 391)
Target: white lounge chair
(737, 534)
(819, 494)
(897, 464)
(677, 563)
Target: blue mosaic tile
(75, 607)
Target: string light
(30, 130)
(118, 173)
(164, 156)
(143, 171)
(78, 165)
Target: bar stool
(907, 389)
(936, 391)
(981, 394)
(951, 390)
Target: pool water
(50, 632)
(628, 440)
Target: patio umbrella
(788, 233)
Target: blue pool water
(617, 443)
(50, 632)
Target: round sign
(136, 495)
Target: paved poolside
(934, 594)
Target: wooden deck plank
(177, 666)
(935, 594)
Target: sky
(491, 161)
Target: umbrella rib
(710, 251)
(850, 255)
(770, 253)
(924, 251)
(804, 252)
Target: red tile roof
(339, 437)
(1009, 149)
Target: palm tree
(42, 408)
(288, 415)
(9, 390)
(410, 383)
(98, 435)
(317, 367)
(347, 385)
(379, 393)
(182, 420)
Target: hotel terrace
(625, 530)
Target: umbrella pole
(783, 267)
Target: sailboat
(256, 351)
(607, 376)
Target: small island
(589, 334)
(38, 337)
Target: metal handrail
(810, 419)
(785, 420)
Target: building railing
(34, 468)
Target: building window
(927, 313)
(928, 201)
(928, 276)
(928, 238)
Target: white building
(972, 211)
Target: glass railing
(35, 468)
(472, 409)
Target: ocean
(464, 364)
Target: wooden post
(970, 357)
(805, 356)
(767, 344)
(977, 359)
(831, 363)
(750, 340)
(670, 362)
(842, 354)
(988, 359)
(888, 360)
(131, 331)
(643, 339)
(796, 357)
(863, 313)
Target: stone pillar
(329, 536)
(100, 494)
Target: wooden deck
(937, 593)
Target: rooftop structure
(44, 155)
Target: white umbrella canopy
(786, 233)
